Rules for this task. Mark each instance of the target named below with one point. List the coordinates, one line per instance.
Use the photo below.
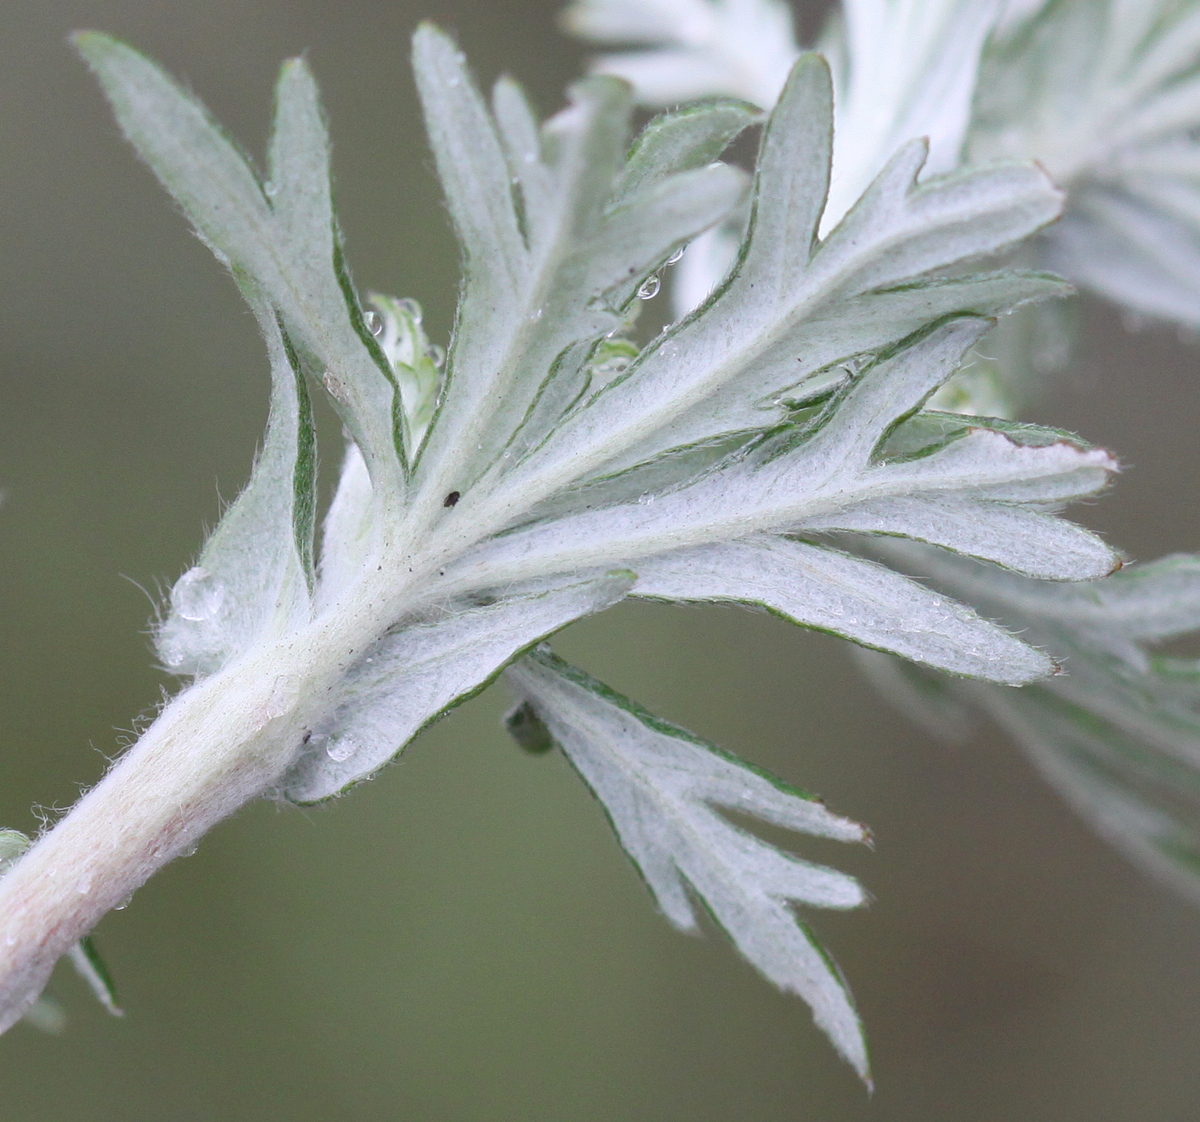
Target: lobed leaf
(552, 266)
(661, 788)
(280, 238)
(327, 320)
(1026, 541)
(887, 95)
(685, 139)
(825, 472)
(785, 321)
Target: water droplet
(437, 355)
(197, 595)
(650, 287)
(83, 886)
(190, 851)
(270, 190)
(172, 652)
(123, 904)
(410, 308)
(341, 749)
(334, 387)
(282, 699)
(374, 323)
(674, 258)
(536, 314)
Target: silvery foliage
(902, 69)
(1119, 734)
(738, 48)
(661, 788)
(551, 467)
(1106, 95)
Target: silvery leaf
(832, 591)
(281, 235)
(554, 267)
(786, 320)
(252, 580)
(691, 48)
(418, 671)
(971, 493)
(663, 790)
(1106, 94)
(1118, 734)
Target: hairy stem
(218, 744)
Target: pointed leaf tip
(93, 970)
(87, 41)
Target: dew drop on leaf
(197, 595)
(341, 749)
(650, 287)
(674, 258)
(374, 323)
(172, 652)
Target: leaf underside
(661, 789)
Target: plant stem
(218, 744)
(215, 746)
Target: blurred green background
(462, 939)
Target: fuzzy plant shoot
(812, 435)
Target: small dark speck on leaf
(451, 498)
